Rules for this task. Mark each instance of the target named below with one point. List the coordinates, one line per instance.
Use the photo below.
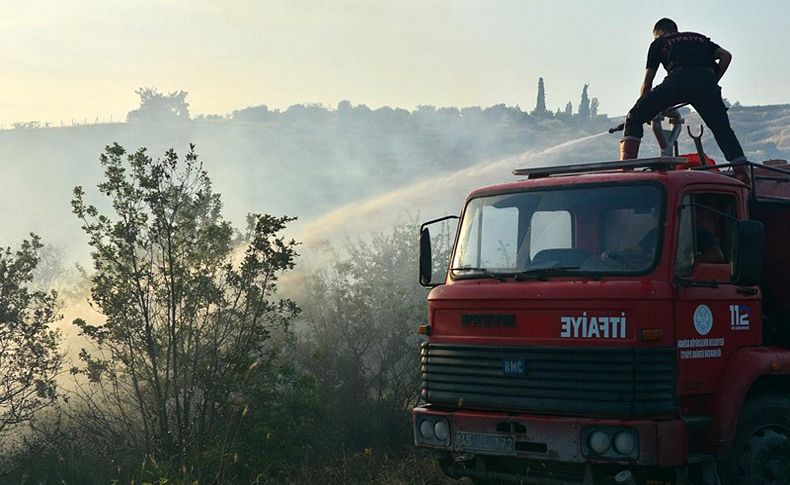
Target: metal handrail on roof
(772, 168)
(757, 172)
(659, 163)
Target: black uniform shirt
(682, 49)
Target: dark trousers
(696, 86)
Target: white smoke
(441, 195)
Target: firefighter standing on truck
(692, 77)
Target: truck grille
(555, 380)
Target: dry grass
(369, 467)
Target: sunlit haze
(82, 60)
(213, 258)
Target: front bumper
(659, 442)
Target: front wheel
(761, 451)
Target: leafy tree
(311, 115)
(159, 107)
(594, 107)
(344, 107)
(26, 125)
(502, 113)
(584, 104)
(254, 114)
(190, 306)
(50, 267)
(569, 110)
(361, 312)
(29, 356)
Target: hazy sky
(64, 60)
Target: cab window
(706, 231)
(550, 230)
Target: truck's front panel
(553, 337)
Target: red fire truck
(616, 322)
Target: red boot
(629, 148)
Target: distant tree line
(588, 108)
(169, 108)
(156, 106)
(159, 107)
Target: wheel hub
(763, 457)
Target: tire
(760, 453)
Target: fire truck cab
(617, 322)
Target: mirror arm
(434, 221)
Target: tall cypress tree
(540, 104)
(584, 104)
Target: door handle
(746, 291)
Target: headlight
(426, 430)
(599, 442)
(441, 430)
(433, 431)
(615, 442)
(624, 443)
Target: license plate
(491, 443)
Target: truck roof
(665, 177)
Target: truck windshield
(581, 230)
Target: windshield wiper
(533, 274)
(477, 273)
(543, 274)
(688, 282)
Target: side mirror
(749, 254)
(426, 261)
(426, 251)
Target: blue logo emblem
(514, 367)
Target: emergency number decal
(739, 317)
(703, 319)
(593, 327)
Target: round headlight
(624, 443)
(426, 430)
(442, 430)
(599, 442)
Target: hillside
(309, 161)
(763, 130)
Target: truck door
(713, 316)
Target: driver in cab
(708, 248)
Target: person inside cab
(708, 241)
